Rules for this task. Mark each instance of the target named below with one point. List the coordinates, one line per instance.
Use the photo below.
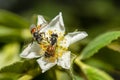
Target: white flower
(62, 55)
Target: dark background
(93, 16)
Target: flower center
(51, 45)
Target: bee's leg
(48, 40)
(39, 40)
(42, 33)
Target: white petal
(44, 65)
(56, 24)
(31, 51)
(41, 21)
(76, 36)
(73, 37)
(64, 61)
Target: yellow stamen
(51, 59)
(60, 54)
(50, 32)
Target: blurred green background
(93, 16)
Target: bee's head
(33, 28)
(54, 35)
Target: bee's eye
(32, 28)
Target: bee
(37, 35)
(50, 51)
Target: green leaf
(22, 68)
(26, 77)
(114, 46)
(13, 27)
(98, 63)
(13, 34)
(9, 54)
(9, 76)
(98, 43)
(62, 75)
(77, 77)
(12, 20)
(4, 31)
(110, 57)
(93, 73)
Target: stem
(78, 62)
(81, 66)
